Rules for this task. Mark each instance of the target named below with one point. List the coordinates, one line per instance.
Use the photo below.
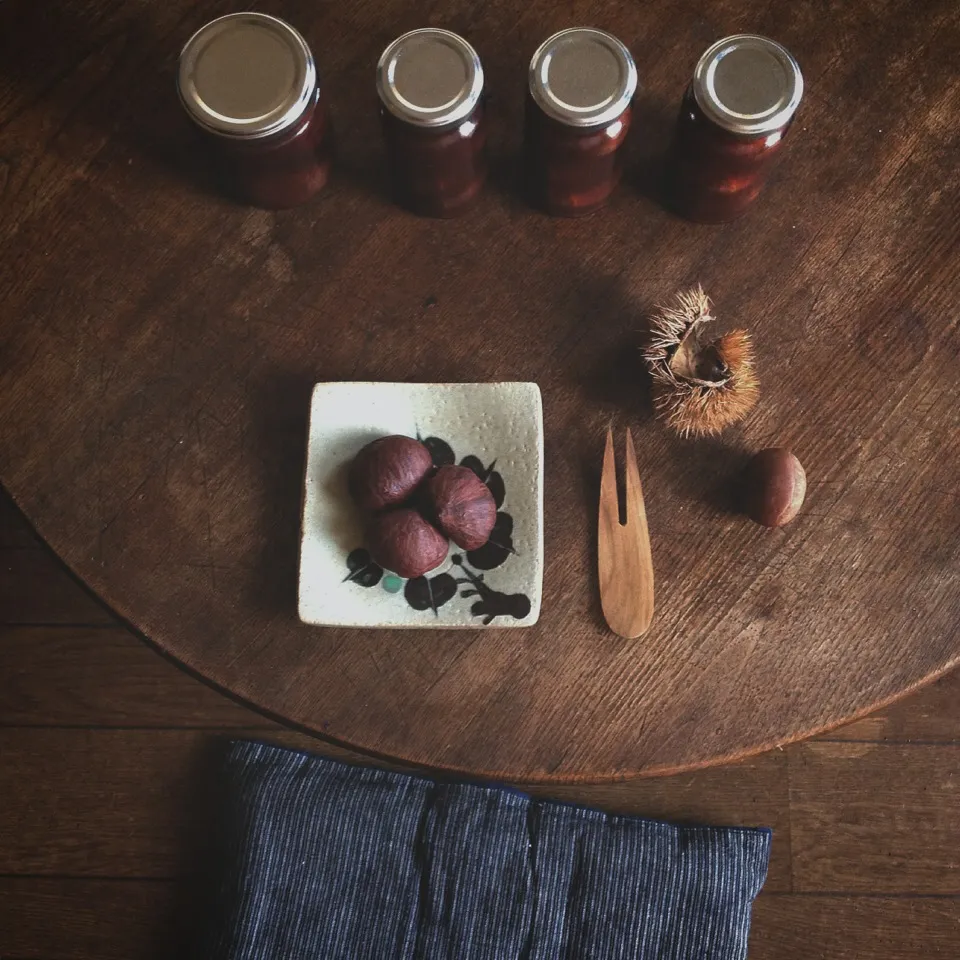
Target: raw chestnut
(463, 506)
(387, 471)
(402, 541)
(775, 485)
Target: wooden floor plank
(36, 589)
(104, 677)
(15, 531)
(56, 919)
(931, 715)
(126, 803)
(34, 586)
(877, 818)
(107, 803)
(795, 927)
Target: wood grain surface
(158, 346)
(104, 803)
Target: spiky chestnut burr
(699, 388)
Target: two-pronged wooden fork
(626, 565)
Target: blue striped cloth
(320, 859)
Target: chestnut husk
(404, 542)
(387, 471)
(698, 388)
(774, 487)
(462, 506)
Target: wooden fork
(626, 565)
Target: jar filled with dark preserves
(735, 114)
(431, 84)
(250, 84)
(581, 86)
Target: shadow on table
(192, 915)
(105, 78)
(282, 405)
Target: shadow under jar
(581, 85)
(733, 120)
(430, 83)
(249, 83)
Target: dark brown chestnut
(386, 472)
(463, 506)
(402, 541)
(774, 487)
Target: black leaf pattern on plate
(498, 548)
(492, 603)
(362, 568)
(440, 451)
(430, 593)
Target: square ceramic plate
(495, 428)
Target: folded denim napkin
(320, 859)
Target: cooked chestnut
(774, 487)
(402, 541)
(463, 506)
(386, 472)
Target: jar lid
(748, 84)
(246, 75)
(583, 77)
(430, 78)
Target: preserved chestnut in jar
(430, 83)
(581, 85)
(735, 114)
(249, 83)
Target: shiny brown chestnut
(402, 541)
(387, 471)
(462, 505)
(774, 487)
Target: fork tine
(609, 507)
(634, 495)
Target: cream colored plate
(495, 423)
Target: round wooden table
(159, 345)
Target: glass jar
(735, 114)
(249, 83)
(581, 85)
(430, 83)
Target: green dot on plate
(391, 583)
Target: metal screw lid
(748, 84)
(246, 75)
(583, 77)
(430, 78)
